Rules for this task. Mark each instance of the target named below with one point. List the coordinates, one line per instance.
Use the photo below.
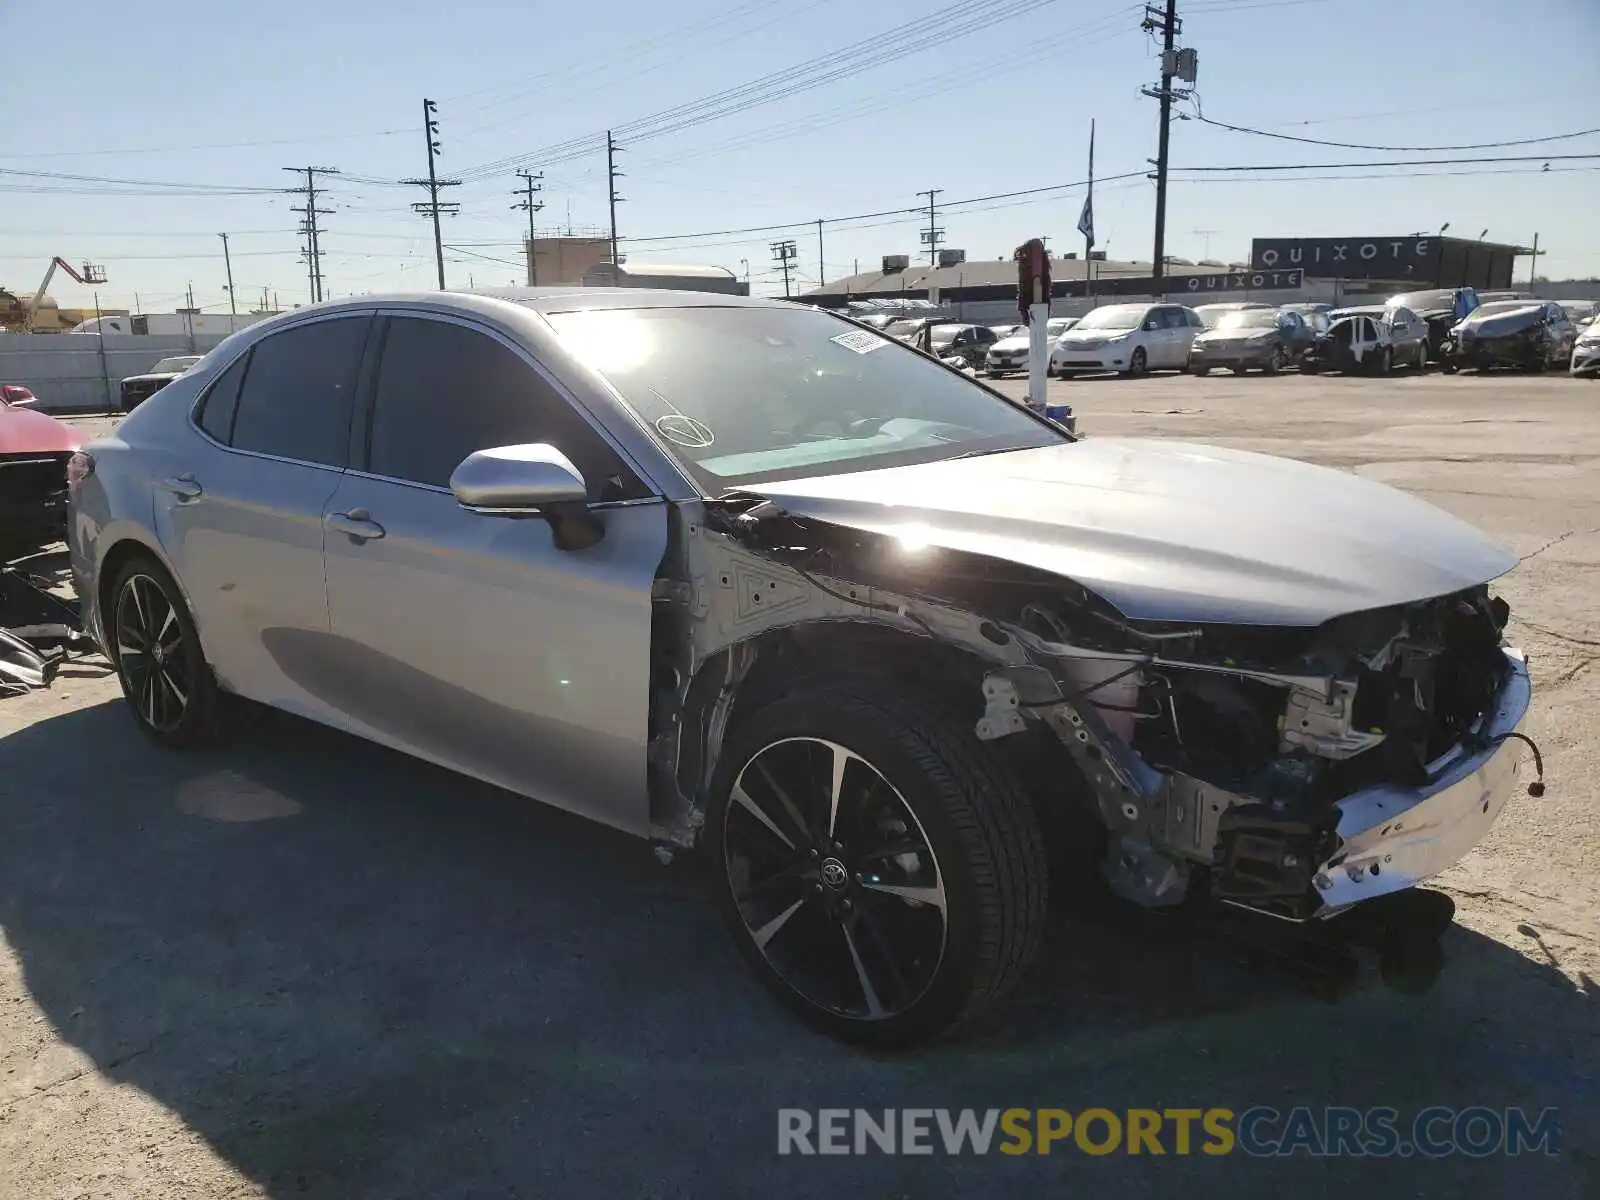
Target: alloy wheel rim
(834, 879)
(152, 654)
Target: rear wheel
(883, 874)
(1422, 357)
(153, 643)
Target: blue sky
(226, 95)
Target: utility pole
(822, 268)
(227, 260)
(745, 263)
(784, 254)
(1175, 63)
(932, 235)
(309, 228)
(612, 175)
(431, 206)
(1533, 260)
(531, 184)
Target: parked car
(1372, 338)
(34, 449)
(737, 575)
(1130, 339)
(1442, 309)
(969, 343)
(1211, 314)
(1531, 334)
(136, 389)
(1586, 351)
(1009, 355)
(1502, 296)
(1314, 315)
(1260, 338)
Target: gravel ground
(305, 966)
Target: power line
(125, 150)
(1289, 137)
(895, 43)
(1403, 162)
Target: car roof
(551, 299)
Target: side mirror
(534, 480)
(517, 480)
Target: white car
(1586, 350)
(1129, 339)
(1010, 354)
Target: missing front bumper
(1393, 837)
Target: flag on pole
(1086, 217)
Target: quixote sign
(1348, 258)
(1266, 280)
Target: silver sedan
(742, 576)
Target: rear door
(471, 640)
(241, 515)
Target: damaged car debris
(890, 651)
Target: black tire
(1422, 357)
(976, 829)
(1275, 362)
(1201, 371)
(172, 694)
(1385, 362)
(1138, 364)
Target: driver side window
(444, 391)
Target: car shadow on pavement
(355, 974)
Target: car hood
(1013, 344)
(25, 431)
(1170, 531)
(1502, 323)
(1234, 335)
(1091, 335)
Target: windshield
(1249, 318)
(904, 326)
(741, 395)
(174, 366)
(943, 335)
(1113, 316)
(1421, 301)
(1058, 325)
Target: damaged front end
(1291, 770)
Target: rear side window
(445, 391)
(295, 402)
(222, 399)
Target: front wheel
(1200, 370)
(882, 872)
(1139, 364)
(1422, 358)
(1275, 363)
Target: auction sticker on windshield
(862, 341)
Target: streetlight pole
(227, 260)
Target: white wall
(74, 372)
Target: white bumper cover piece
(1394, 837)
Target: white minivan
(1129, 339)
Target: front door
(471, 640)
(240, 510)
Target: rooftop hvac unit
(952, 258)
(1070, 255)
(895, 263)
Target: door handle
(184, 486)
(356, 524)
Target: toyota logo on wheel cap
(834, 874)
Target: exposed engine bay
(1216, 757)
